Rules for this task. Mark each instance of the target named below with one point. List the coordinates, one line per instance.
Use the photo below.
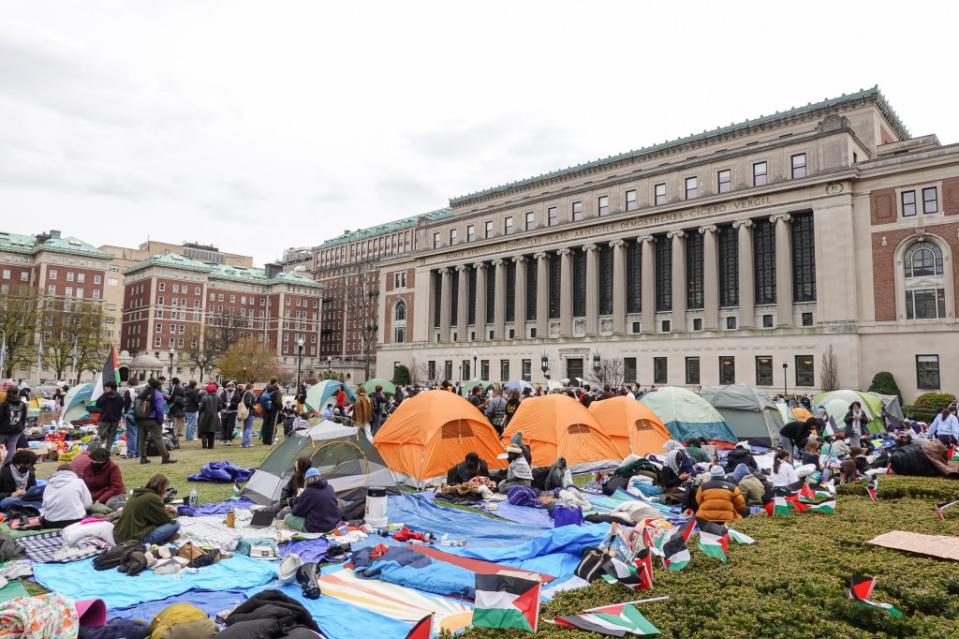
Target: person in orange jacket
(720, 500)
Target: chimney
(272, 270)
(41, 237)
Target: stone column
(519, 305)
(542, 295)
(619, 286)
(710, 278)
(499, 300)
(445, 305)
(592, 289)
(462, 303)
(784, 269)
(648, 243)
(431, 309)
(566, 293)
(678, 323)
(480, 313)
(747, 286)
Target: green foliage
(339, 376)
(934, 401)
(885, 384)
(401, 375)
(934, 489)
(922, 414)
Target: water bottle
(194, 498)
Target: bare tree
(19, 312)
(72, 335)
(610, 372)
(210, 342)
(829, 373)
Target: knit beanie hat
(717, 472)
(740, 471)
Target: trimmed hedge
(934, 401)
(791, 583)
(884, 383)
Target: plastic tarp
(223, 472)
(748, 413)
(318, 395)
(633, 427)
(837, 404)
(79, 580)
(438, 577)
(209, 601)
(432, 432)
(557, 426)
(525, 515)
(687, 415)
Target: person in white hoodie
(65, 499)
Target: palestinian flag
(644, 564)
(954, 453)
(794, 499)
(872, 489)
(778, 506)
(860, 592)
(806, 494)
(423, 628)
(110, 373)
(688, 530)
(714, 540)
(505, 601)
(616, 620)
(675, 552)
(940, 509)
(825, 507)
(740, 538)
(829, 431)
(630, 575)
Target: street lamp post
(785, 387)
(172, 355)
(299, 362)
(329, 366)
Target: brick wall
(950, 196)
(391, 301)
(882, 206)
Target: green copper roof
(29, 245)
(863, 94)
(223, 271)
(389, 227)
(172, 260)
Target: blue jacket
(318, 506)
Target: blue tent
(686, 415)
(319, 394)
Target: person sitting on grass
(741, 454)
(784, 475)
(145, 517)
(695, 451)
(810, 454)
(18, 481)
(750, 486)
(472, 466)
(105, 482)
(720, 500)
(65, 498)
(316, 510)
(518, 473)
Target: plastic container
(194, 498)
(375, 513)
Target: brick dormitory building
(822, 239)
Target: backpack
(591, 564)
(242, 410)
(182, 621)
(113, 557)
(266, 400)
(143, 404)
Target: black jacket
(462, 473)
(269, 614)
(110, 405)
(13, 416)
(230, 406)
(191, 399)
(740, 456)
(796, 432)
(8, 485)
(177, 401)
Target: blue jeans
(162, 533)
(191, 419)
(133, 437)
(247, 431)
(33, 498)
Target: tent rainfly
(748, 413)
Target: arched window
(399, 322)
(924, 281)
(399, 314)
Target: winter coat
(13, 416)
(230, 405)
(209, 420)
(796, 432)
(318, 506)
(143, 512)
(363, 410)
(462, 473)
(851, 426)
(110, 405)
(719, 500)
(177, 401)
(191, 399)
(269, 614)
(7, 483)
(66, 497)
(104, 483)
(740, 456)
(753, 490)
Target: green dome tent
(837, 405)
(748, 413)
(389, 388)
(685, 414)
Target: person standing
(379, 409)
(300, 399)
(229, 399)
(270, 402)
(191, 409)
(177, 407)
(363, 413)
(512, 405)
(855, 421)
(496, 410)
(13, 419)
(132, 429)
(245, 414)
(149, 409)
(110, 405)
(208, 424)
(341, 401)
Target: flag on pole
(860, 592)
(829, 431)
(688, 530)
(825, 507)
(714, 540)
(616, 620)
(795, 501)
(671, 546)
(505, 601)
(423, 628)
(110, 373)
(778, 506)
(740, 538)
(630, 575)
(644, 563)
(872, 489)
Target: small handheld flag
(616, 620)
(940, 509)
(714, 540)
(740, 538)
(825, 507)
(860, 592)
(505, 601)
(872, 489)
(423, 628)
(778, 506)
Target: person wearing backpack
(270, 401)
(13, 419)
(379, 409)
(177, 407)
(149, 412)
(245, 414)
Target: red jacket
(104, 484)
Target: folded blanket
(222, 472)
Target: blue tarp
(222, 472)
(525, 515)
(79, 580)
(221, 508)
(420, 513)
(210, 602)
(438, 577)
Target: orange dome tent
(558, 426)
(632, 426)
(433, 431)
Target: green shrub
(922, 414)
(401, 375)
(885, 384)
(934, 401)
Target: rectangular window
(527, 370)
(159, 328)
(233, 300)
(908, 199)
(488, 229)
(631, 200)
(162, 286)
(79, 292)
(530, 221)
(471, 296)
(552, 216)
(51, 289)
(436, 239)
(767, 321)
(510, 282)
(694, 270)
(431, 369)
(531, 286)
(470, 232)
(602, 205)
(6, 274)
(724, 179)
(764, 371)
(484, 369)
(926, 303)
(504, 370)
(727, 370)
(930, 200)
(805, 371)
(52, 274)
(629, 370)
(664, 275)
(692, 187)
(70, 276)
(764, 261)
(81, 277)
(799, 165)
(692, 370)
(452, 237)
(68, 291)
(728, 241)
(577, 211)
(807, 319)
(555, 285)
(448, 369)
(731, 323)
(659, 370)
(759, 173)
(579, 283)
(490, 295)
(605, 279)
(634, 277)
(804, 258)
(659, 194)
(927, 372)
(508, 225)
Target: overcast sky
(260, 125)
